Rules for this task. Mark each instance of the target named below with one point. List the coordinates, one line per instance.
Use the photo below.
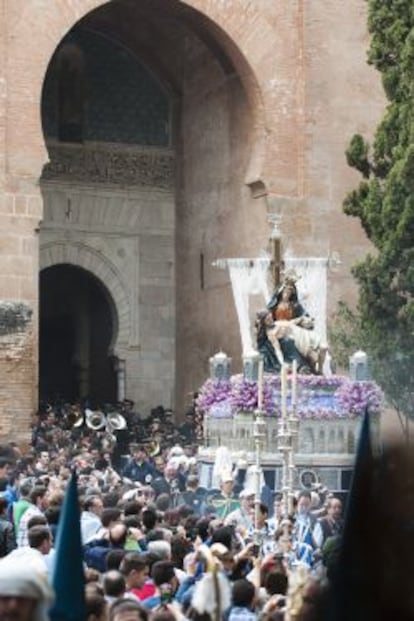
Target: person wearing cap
(25, 594)
(224, 502)
(138, 468)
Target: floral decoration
(318, 397)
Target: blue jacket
(142, 473)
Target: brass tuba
(75, 416)
(115, 422)
(95, 420)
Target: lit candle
(260, 385)
(294, 382)
(283, 385)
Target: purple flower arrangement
(356, 397)
(318, 397)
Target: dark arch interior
(97, 90)
(76, 331)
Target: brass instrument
(95, 420)
(74, 416)
(115, 421)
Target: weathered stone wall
(126, 239)
(266, 95)
(16, 367)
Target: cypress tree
(384, 203)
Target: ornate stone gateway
(109, 215)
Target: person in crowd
(110, 516)
(96, 550)
(194, 496)
(91, 522)
(331, 525)
(169, 483)
(42, 465)
(23, 503)
(187, 429)
(138, 468)
(96, 604)
(243, 601)
(243, 517)
(40, 539)
(7, 535)
(159, 466)
(127, 610)
(6, 463)
(135, 570)
(275, 521)
(262, 530)
(7, 492)
(114, 586)
(305, 521)
(114, 558)
(225, 501)
(25, 594)
(38, 505)
(166, 583)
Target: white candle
(283, 386)
(294, 381)
(260, 385)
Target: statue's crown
(290, 277)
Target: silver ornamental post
(293, 428)
(284, 441)
(259, 433)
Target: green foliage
(357, 155)
(345, 335)
(384, 203)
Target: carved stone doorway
(77, 324)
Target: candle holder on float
(220, 366)
(293, 429)
(259, 435)
(284, 445)
(288, 430)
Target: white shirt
(90, 525)
(22, 539)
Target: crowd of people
(156, 544)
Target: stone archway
(77, 329)
(80, 255)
